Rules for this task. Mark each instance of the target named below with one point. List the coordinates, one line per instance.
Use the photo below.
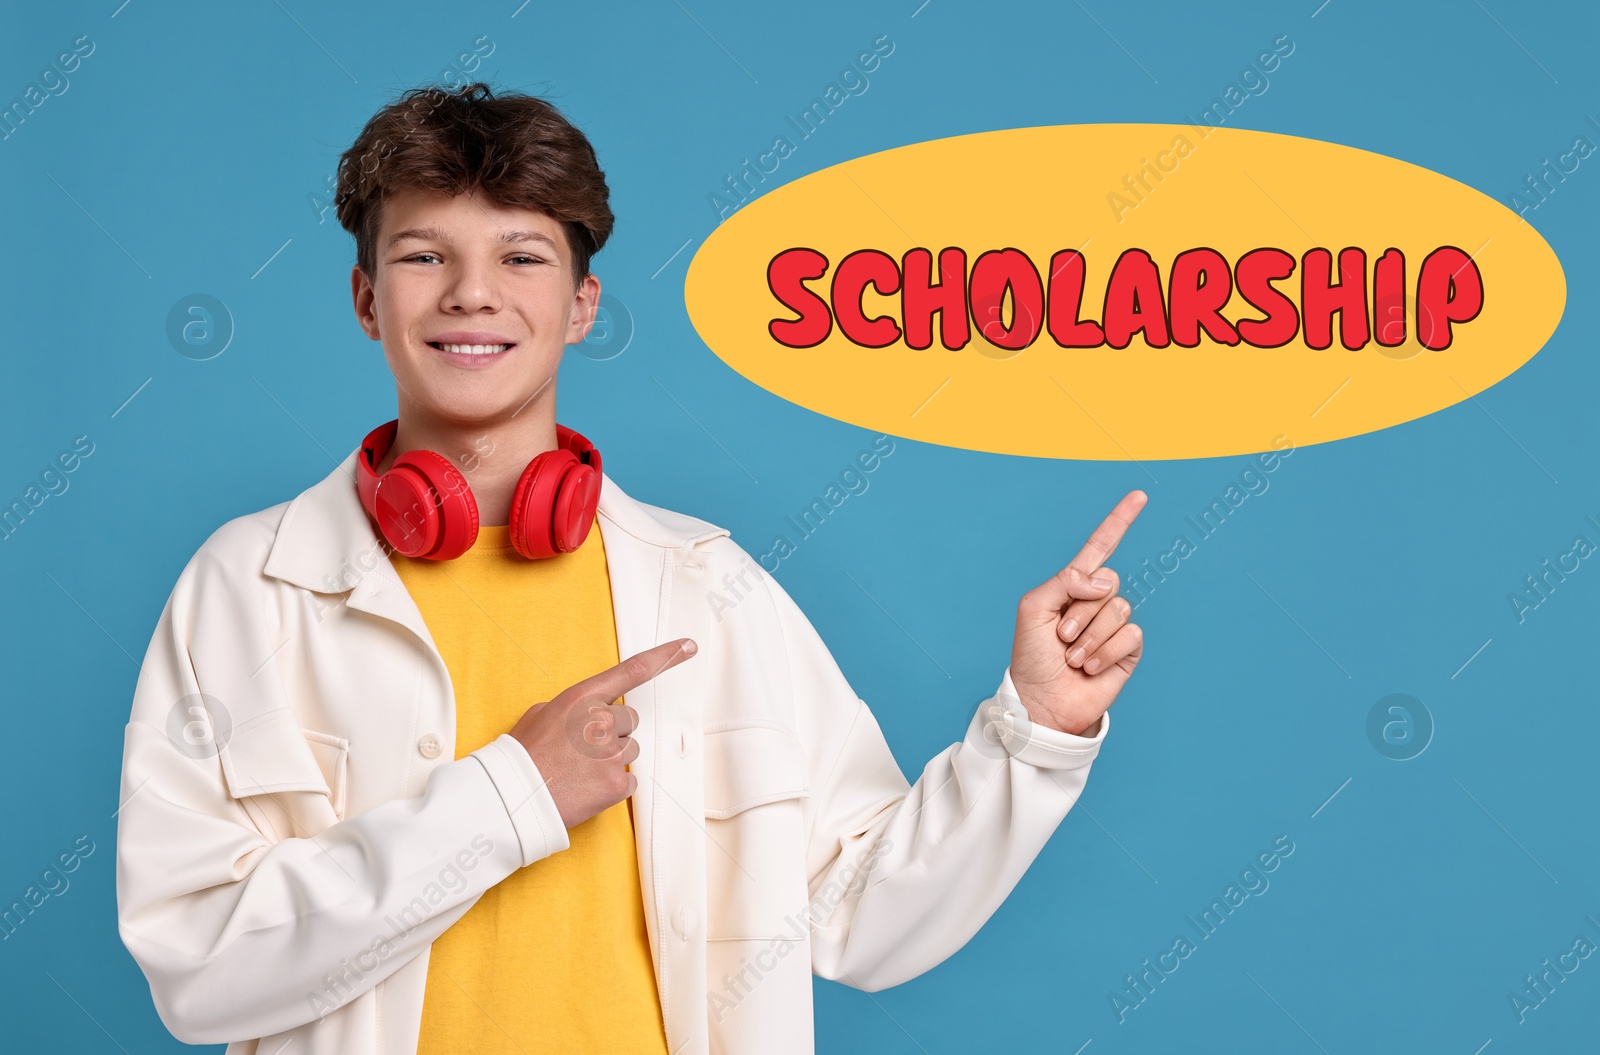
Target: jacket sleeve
(242, 935)
(901, 876)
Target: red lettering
(993, 275)
(1389, 298)
(1321, 298)
(787, 275)
(1066, 297)
(1254, 275)
(1199, 286)
(921, 298)
(1449, 290)
(855, 272)
(1133, 302)
(1010, 302)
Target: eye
(415, 256)
(534, 259)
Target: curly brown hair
(517, 149)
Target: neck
(491, 455)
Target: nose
(472, 287)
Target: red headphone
(424, 507)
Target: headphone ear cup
(405, 512)
(576, 501)
(437, 499)
(533, 502)
(554, 504)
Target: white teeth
(475, 349)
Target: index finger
(1104, 541)
(634, 671)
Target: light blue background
(184, 155)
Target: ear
(364, 298)
(585, 303)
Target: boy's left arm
(911, 872)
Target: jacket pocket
(291, 781)
(755, 779)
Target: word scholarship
(1199, 284)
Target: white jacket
(295, 830)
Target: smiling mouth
(471, 349)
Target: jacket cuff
(528, 801)
(1028, 741)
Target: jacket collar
(327, 543)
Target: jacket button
(429, 746)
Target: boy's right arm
(240, 935)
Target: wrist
(1088, 731)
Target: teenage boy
(379, 792)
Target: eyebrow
(432, 233)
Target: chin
(471, 413)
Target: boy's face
(462, 270)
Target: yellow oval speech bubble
(1125, 291)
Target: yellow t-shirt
(555, 958)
